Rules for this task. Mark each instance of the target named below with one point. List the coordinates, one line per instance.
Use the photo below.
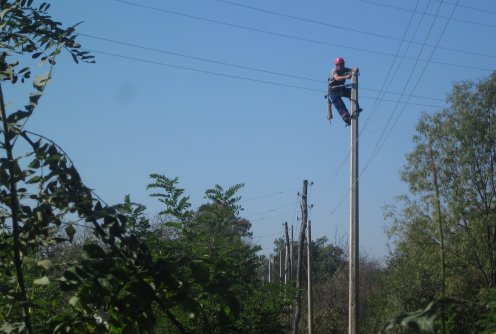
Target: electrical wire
(236, 76)
(443, 17)
(235, 65)
(269, 211)
(377, 102)
(129, 3)
(344, 28)
(420, 76)
(133, 45)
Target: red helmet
(338, 61)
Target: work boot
(356, 113)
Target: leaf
(7, 328)
(73, 301)
(45, 264)
(93, 251)
(34, 164)
(40, 81)
(42, 281)
(420, 320)
(70, 231)
(35, 97)
(199, 271)
(5, 11)
(17, 116)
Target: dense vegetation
(70, 263)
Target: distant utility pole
(286, 258)
(309, 277)
(269, 267)
(304, 214)
(291, 255)
(354, 280)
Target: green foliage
(421, 321)
(463, 141)
(70, 263)
(175, 205)
(488, 320)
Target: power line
(423, 71)
(379, 99)
(378, 145)
(232, 65)
(205, 71)
(439, 16)
(375, 151)
(270, 210)
(285, 35)
(486, 11)
(240, 77)
(347, 28)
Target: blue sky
(226, 92)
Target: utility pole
(286, 258)
(309, 277)
(269, 267)
(354, 280)
(291, 255)
(280, 265)
(304, 214)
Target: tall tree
(464, 153)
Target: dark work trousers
(335, 95)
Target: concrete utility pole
(354, 280)
(304, 214)
(286, 258)
(291, 255)
(270, 258)
(309, 277)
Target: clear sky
(226, 92)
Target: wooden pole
(353, 320)
(304, 214)
(309, 278)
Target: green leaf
(5, 11)
(73, 301)
(34, 164)
(420, 320)
(45, 264)
(42, 281)
(93, 251)
(40, 81)
(70, 231)
(199, 271)
(18, 115)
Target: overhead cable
(286, 35)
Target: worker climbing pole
(337, 88)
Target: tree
(463, 141)
(32, 196)
(222, 266)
